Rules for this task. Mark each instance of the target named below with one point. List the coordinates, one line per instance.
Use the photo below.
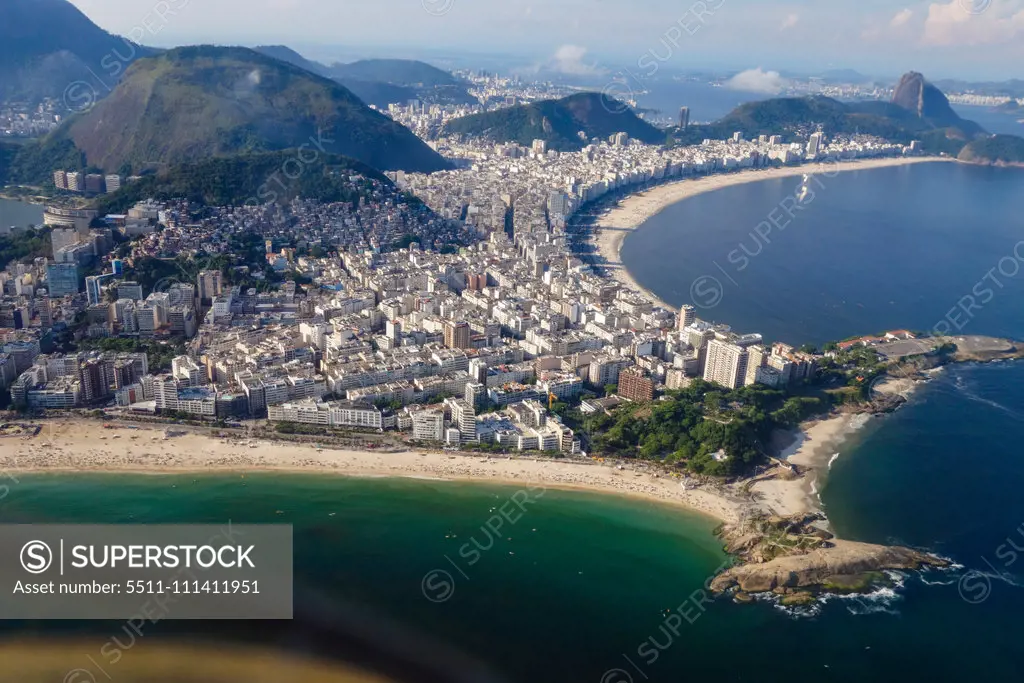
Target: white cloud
(757, 80)
(568, 60)
(790, 21)
(974, 22)
(901, 18)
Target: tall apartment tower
(684, 118)
(457, 335)
(687, 316)
(211, 284)
(726, 364)
(635, 385)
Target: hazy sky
(945, 38)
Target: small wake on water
(998, 406)
(962, 387)
(941, 576)
(879, 601)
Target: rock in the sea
(820, 567)
(797, 599)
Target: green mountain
(428, 83)
(792, 114)
(286, 54)
(195, 102)
(245, 178)
(997, 150)
(378, 93)
(919, 112)
(558, 122)
(396, 71)
(48, 46)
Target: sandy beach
(80, 445)
(816, 444)
(85, 446)
(612, 227)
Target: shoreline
(617, 222)
(82, 446)
(815, 443)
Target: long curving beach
(80, 445)
(614, 225)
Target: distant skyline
(973, 39)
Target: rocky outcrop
(843, 566)
(790, 555)
(915, 94)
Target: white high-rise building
(76, 182)
(726, 364)
(757, 358)
(815, 143)
(687, 316)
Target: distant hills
(381, 82)
(48, 45)
(558, 122)
(242, 179)
(195, 102)
(1011, 88)
(919, 111)
(395, 71)
(998, 150)
(286, 54)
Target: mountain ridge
(558, 122)
(198, 101)
(382, 82)
(46, 46)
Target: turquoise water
(595, 588)
(579, 585)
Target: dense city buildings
(463, 319)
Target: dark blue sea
(607, 590)
(920, 247)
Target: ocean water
(706, 102)
(20, 214)
(871, 250)
(595, 588)
(992, 121)
(580, 587)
